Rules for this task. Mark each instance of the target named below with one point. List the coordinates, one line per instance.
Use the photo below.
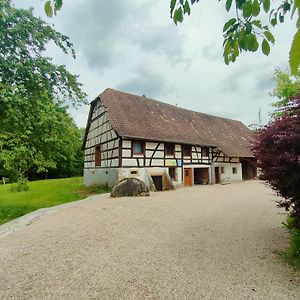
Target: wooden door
(188, 177)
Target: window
(172, 173)
(97, 156)
(134, 172)
(205, 151)
(169, 149)
(137, 148)
(186, 150)
(222, 170)
(234, 170)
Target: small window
(169, 149)
(97, 156)
(222, 170)
(205, 151)
(172, 173)
(134, 172)
(137, 148)
(234, 170)
(186, 150)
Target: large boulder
(130, 187)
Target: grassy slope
(292, 255)
(42, 193)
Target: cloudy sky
(133, 46)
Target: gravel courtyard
(206, 242)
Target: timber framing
(169, 138)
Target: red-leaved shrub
(277, 149)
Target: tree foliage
(277, 149)
(36, 133)
(23, 40)
(246, 31)
(287, 87)
(52, 7)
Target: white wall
(103, 176)
(145, 174)
(228, 175)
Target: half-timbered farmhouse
(162, 144)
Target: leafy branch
(246, 32)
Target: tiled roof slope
(142, 118)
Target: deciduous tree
(36, 133)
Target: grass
(43, 193)
(292, 255)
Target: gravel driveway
(206, 242)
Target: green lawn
(42, 193)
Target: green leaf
(273, 22)
(286, 7)
(266, 5)
(248, 27)
(269, 36)
(236, 51)
(251, 42)
(242, 40)
(240, 3)
(227, 50)
(295, 54)
(178, 15)
(228, 24)
(265, 47)
(247, 10)
(48, 9)
(58, 4)
(281, 18)
(257, 23)
(172, 5)
(255, 8)
(186, 8)
(228, 4)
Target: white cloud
(133, 45)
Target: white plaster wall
(151, 145)
(177, 147)
(157, 162)
(144, 174)
(126, 144)
(129, 162)
(107, 176)
(228, 176)
(179, 176)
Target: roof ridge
(144, 98)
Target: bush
(292, 255)
(277, 150)
(294, 249)
(20, 185)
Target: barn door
(188, 177)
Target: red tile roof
(142, 118)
